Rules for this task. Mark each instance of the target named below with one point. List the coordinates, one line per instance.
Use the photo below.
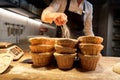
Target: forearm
(88, 32)
(88, 29)
(47, 13)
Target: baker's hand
(60, 19)
(49, 18)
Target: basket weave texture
(64, 61)
(41, 59)
(89, 62)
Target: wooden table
(19, 70)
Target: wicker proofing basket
(66, 42)
(89, 62)
(41, 48)
(62, 49)
(41, 59)
(90, 49)
(90, 39)
(64, 61)
(42, 40)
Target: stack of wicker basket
(65, 52)
(90, 47)
(42, 49)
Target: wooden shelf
(116, 49)
(116, 26)
(116, 39)
(116, 34)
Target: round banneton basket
(41, 59)
(65, 61)
(89, 62)
(90, 39)
(42, 40)
(41, 48)
(62, 49)
(90, 48)
(66, 42)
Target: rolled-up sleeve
(88, 28)
(53, 7)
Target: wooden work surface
(19, 70)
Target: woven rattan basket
(90, 49)
(64, 61)
(90, 39)
(41, 59)
(42, 40)
(66, 42)
(89, 62)
(62, 49)
(41, 48)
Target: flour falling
(65, 31)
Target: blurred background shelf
(116, 49)
(116, 34)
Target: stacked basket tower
(65, 52)
(42, 49)
(90, 51)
